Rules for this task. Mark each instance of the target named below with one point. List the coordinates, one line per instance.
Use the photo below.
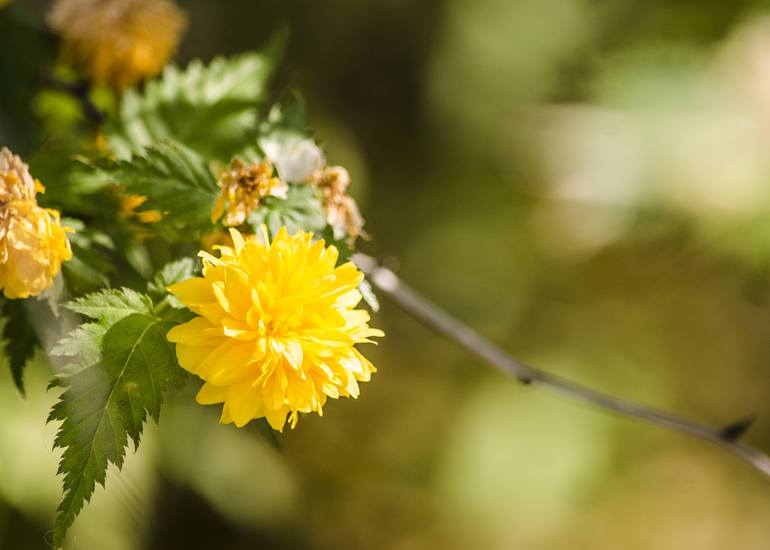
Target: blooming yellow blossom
(33, 244)
(276, 328)
(243, 185)
(118, 42)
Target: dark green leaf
(177, 183)
(19, 338)
(90, 266)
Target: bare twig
(450, 328)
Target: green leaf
(169, 274)
(343, 245)
(138, 257)
(71, 184)
(110, 306)
(89, 267)
(211, 109)
(19, 339)
(83, 343)
(110, 392)
(301, 210)
(176, 181)
(288, 116)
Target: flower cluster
(276, 328)
(118, 42)
(33, 243)
(300, 160)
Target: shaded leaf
(177, 183)
(301, 210)
(19, 338)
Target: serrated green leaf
(83, 342)
(169, 274)
(209, 108)
(301, 210)
(106, 403)
(19, 339)
(110, 306)
(177, 183)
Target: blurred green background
(585, 182)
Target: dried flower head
(33, 243)
(276, 328)
(242, 186)
(341, 210)
(118, 42)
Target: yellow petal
(234, 365)
(210, 394)
(243, 403)
(196, 332)
(193, 292)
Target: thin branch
(79, 91)
(453, 330)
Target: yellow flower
(243, 185)
(118, 42)
(276, 328)
(33, 244)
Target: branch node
(734, 431)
